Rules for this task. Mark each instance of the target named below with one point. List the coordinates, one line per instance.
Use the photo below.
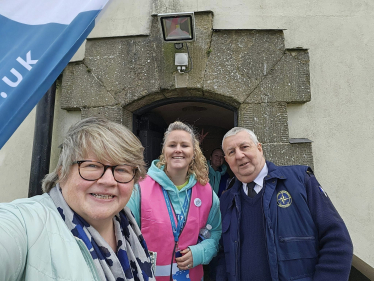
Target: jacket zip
(88, 258)
(264, 225)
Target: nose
(178, 148)
(238, 154)
(107, 178)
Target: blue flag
(37, 40)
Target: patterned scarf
(131, 262)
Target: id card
(181, 275)
(178, 254)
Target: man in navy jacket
(278, 222)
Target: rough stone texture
(288, 81)
(144, 101)
(199, 49)
(116, 114)
(184, 92)
(127, 119)
(112, 113)
(267, 120)
(222, 98)
(172, 6)
(247, 69)
(80, 87)
(289, 154)
(239, 59)
(128, 67)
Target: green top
(182, 185)
(203, 252)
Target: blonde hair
(108, 141)
(198, 166)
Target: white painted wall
(15, 161)
(339, 119)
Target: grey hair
(198, 165)
(237, 130)
(106, 140)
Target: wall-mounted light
(178, 28)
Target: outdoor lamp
(178, 28)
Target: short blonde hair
(108, 141)
(198, 165)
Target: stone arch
(211, 118)
(248, 69)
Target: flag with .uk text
(37, 40)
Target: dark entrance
(206, 116)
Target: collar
(259, 180)
(269, 171)
(274, 171)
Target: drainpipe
(41, 150)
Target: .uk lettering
(15, 82)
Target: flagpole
(41, 151)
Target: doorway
(209, 118)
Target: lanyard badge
(180, 275)
(177, 229)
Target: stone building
(297, 73)
(237, 77)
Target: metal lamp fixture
(179, 28)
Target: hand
(202, 136)
(186, 260)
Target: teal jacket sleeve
(134, 203)
(13, 243)
(203, 252)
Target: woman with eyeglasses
(173, 203)
(80, 229)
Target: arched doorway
(210, 118)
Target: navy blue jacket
(306, 238)
(223, 184)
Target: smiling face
(178, 151)
(95, 201)
(244, 157)
(216, 160)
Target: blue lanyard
(182, 219)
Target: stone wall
(247, 69)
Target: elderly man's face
(245, 159)
(216, 160)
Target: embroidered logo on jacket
(284, 199)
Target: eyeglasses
(92, 170)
